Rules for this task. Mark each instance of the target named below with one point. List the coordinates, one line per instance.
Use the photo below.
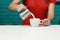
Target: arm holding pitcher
(15, 5)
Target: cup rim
(34, 18)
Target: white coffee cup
(34, 22)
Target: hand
(21, 7)
(46, 22)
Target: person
(42, 9)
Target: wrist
(49, 19)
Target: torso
(38, 7)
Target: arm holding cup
(50, 16)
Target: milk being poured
(33, 15)
(34, 22)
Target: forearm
(51, 16)
(51, 11)
(14, 5)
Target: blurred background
(8, 17)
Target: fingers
(21, 7)
(46, 22)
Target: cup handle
(40, 22)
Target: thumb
(44, 20)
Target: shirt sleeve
(53, 1)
